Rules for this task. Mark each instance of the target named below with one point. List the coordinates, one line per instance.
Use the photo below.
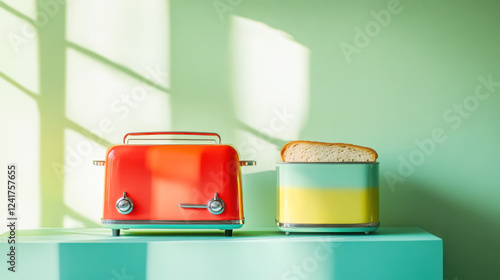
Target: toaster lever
(187, 205)
(214, 205)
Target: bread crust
(287, 145)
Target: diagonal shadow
(78, 217)
(17, 13)
(18, 85)
(273, 140)
(85, 132)
(116, 66)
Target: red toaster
(162, 182)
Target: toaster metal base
(172, 224)
(363, 227)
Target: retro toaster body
(171, 185)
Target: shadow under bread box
(328, 196)
(153, 184)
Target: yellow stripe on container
(327, 205)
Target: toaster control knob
(216, 205)
(124, 205)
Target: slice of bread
(310, 151)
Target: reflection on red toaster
(173, 185)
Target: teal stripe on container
(328, 175)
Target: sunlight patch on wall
(83, 182)
(20, 134)
(109, 103)
(119, 36)
(271, 85)
(19, 51)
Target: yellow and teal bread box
(328, 196)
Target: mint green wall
(416, 91)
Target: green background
(405, 83)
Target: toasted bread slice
(310, 151)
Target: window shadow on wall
(52, 106)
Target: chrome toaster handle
(172, 137)
(214, 205)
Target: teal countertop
(89, 235)
(389, 253)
